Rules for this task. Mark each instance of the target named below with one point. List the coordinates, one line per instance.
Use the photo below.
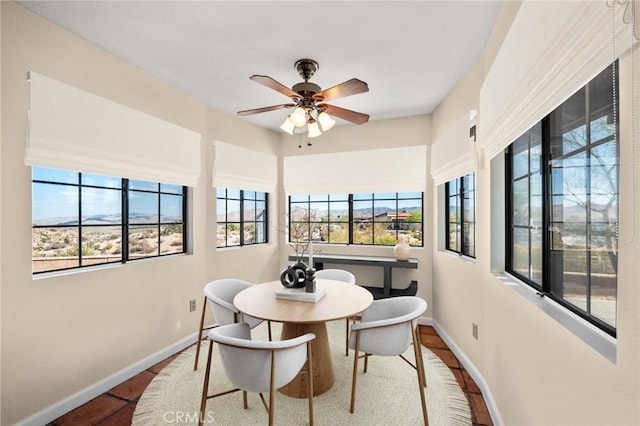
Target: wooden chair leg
(346, 345)
(420, 359)
(205, 386)
(269, 328)
(272, 388)
(310, 376)
(355, 371)
(199, 338)
(420, 373)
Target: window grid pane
(78, 221)
(460, 194)
(365, 218)
(241, 217)
(580, 204)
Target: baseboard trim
(425, 321)
(52, 412)
(496, 418)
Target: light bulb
(326, 122)
(298, 117)
(313, 128)
(288, 126)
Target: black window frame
(351, 221)
(160, 191)
(124, 225)
(242, 198)
(547, 287)
(465, 189)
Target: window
(526, 206)
(461, 215)
(367, 218)
(82, 219)
(562, 176)
(242, 217)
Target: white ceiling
(411, 53)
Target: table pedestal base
(321, 355)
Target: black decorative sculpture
(310, 280)
(294, 276)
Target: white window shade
(242, 168)
(454, 154)
(379, 170)
(72, 129)
(551, 50)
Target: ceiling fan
(308, 101)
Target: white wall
(539, 372)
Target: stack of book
(300, 294)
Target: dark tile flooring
(115, 407)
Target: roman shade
(378, 170)
(72, 129)
(552, 49)
(453, 154)
(243, 168)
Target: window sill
(246, 246)
(597, 339)
(463, 257)
(63, 272)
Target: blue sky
(53, 201)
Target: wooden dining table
(342, 300)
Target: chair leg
(355, 371)
(310, 375)
(421, 364)
(205, 386)
(272, 388)
(420, 372)
(204, 307)
(346, 346)
(269, 328)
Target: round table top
(341, 300)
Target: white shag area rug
(386, 395)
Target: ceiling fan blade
(272, 84)
(264, 109)
(348, 88)
(345, 114)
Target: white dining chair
(220, 294)
(387, 328)
(344, 276)
(258, 366)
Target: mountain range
(106, 219)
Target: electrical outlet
(192, 305)
(474, 330)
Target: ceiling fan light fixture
(310, 112)
(313, 128)
(325, 120)
(298, 117)
(288, 126)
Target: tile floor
(115, 407)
